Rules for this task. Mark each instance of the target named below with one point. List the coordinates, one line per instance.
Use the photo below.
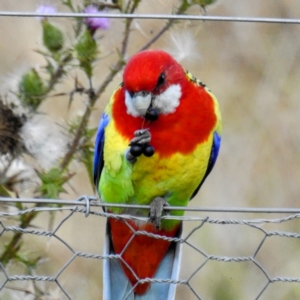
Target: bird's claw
(156, 208)
(142, 137)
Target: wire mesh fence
(246, 264)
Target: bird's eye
(161, 79)
(131, 94)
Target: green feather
(115, 183)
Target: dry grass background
(253, 69)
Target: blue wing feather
(212, 160)
(99, 144)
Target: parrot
(157, 141)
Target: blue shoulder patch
(215, 149)
(99, 144)
(212, 160)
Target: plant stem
(167, 26)
(58, 73)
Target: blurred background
(253, 70)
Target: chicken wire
(187, 278)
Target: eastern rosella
(157, 141)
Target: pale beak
(141, 102)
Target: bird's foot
(139, 144)
(141, 137)
(156, 208)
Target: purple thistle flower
(96, 23)
(45, 9)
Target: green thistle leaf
(52, 183)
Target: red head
(152, 79)
(152, 71)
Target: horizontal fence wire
(94, 201)
(153, 16)
(87, 205)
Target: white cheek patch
(165, 103)
(169, 100)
